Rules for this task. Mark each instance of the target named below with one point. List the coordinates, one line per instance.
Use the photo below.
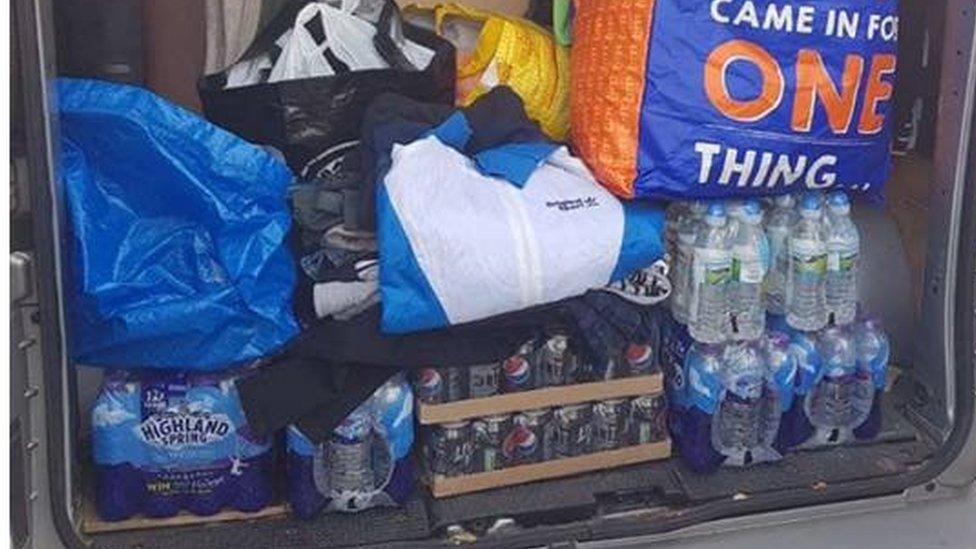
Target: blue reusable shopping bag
(177, 256)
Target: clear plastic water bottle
(741, 428)
(350, 456)
(843, 246)
(837, 404)
(703, 391)
(673, 215)
(685, 233)
(750, 261)
(711, 272)
(807, 273)
(873, 352)
(778, 225)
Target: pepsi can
(449, 449)
(649, 419)
(610, 424)
(531, 439)
(638, 360)
(574, 432)
(439, 385)
(489, 436)
(557, 364)
(519, 370)
(484, 380)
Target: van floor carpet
(897, 447)
(374, 526)
(572, 497)
(660, 483)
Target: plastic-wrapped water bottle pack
(739, 404)
(365, 463)
(171, 442)
(728, 408)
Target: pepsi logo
(637, 354)
(517, 370)
(520, 443)
(430, 379)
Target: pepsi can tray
(441, 486)
(548, 397)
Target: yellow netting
(521, 55)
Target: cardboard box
(452, 486)
(540, 398)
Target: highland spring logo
(176, 430)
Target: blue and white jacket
(462, 238)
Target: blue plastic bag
(177, 257)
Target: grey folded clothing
(352, 292)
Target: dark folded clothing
(336, 365)
(309, 392)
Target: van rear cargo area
(914, 247)
(631, 500)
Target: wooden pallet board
(430, 414)
(92, 524)
(442, 487)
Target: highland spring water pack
(171, 442)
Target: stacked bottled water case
(762, 352)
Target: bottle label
(712, 267)
(841, 262)
(809, 259)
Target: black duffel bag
(315, 122)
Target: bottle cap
(751, 211)
(837, 201)
(716, 215)
(810, 205)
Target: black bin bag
(315, 122)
